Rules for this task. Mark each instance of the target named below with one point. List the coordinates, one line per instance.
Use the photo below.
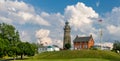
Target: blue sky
(53, 6)
(42, 21)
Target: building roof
(49, 47)
(82, 39)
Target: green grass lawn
(79, 54)
(77, 59)
(75, 55)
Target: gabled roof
(82, 39)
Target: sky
(42, 21)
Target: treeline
(11, 44)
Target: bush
(67, 46)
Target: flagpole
(101, 33)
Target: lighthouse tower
(67, 37)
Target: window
(85, 46)
(80, 46)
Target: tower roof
(66, 22)
(67, 26)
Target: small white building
(48, 48)
(104, 46)
(42, 49)
(56, 49)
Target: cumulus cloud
(20, 13)
(80, 15)
(45, 41)
(113, 29)
(43, 37)
(42, 33)
(83, 21)
(59, 43)
(81, 18)
(53, 18)
(24, 36)
(112, 24)
(113, 17)
(24, 17)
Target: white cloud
(42, 33)
(53, 18)
(113, 29)
(80, 16)
(24, 36)
(112, 24)
(26, 16)
(20, 13)
(81, 20)
(4, 19)
(43, 37)
(84, 21)
(59, 43)
(113, 17)
(46, 41)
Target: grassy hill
(79, 54)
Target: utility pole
(101, 33)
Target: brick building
(83, 42)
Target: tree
(11, 45)
(26, 49)
(67, 46)
(9, 38)
(30, 49)
(116, 46)
(21, 47)
(35, 46)
(3, 47)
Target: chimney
(90, 35)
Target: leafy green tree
(67, 46)
(11, 45)
(3, 47)
(26, 49)
(116, 46)
(21, 47)
(35, 46)
(9, 38)
(30, 49)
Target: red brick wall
(81, 45)
(91, 43)
(88, 44)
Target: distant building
(104, 46)
(42, 49)
(83, 42)
(48, 48)
(67, 36)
